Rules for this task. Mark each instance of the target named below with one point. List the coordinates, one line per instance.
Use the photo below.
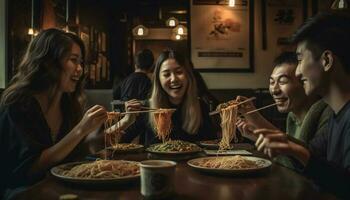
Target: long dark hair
(40, 70)
(190, 111)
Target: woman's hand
(132, 105)
(92, 119)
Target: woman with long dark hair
(41, 118)
(174, 86)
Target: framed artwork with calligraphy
(283, 19)
(222, 37)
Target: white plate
(56, 171)
(263, 165)
(173, 152)
(226, 152)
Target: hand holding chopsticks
(136, 106)
(240, 103)
(144, 111)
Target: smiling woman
(41, 118)
(174, 86)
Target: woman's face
(72, 70)
(174, 80)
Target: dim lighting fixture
(180, 30)
(172, 22)
(176, 37)
(340, 4)
(30, 31)
(231, 3)
(66, 29)
(140, 31)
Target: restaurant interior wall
(116, 22)
(3, 44)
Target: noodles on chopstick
(112, 133)
(163, 124)
(228, 124)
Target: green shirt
(314, 122)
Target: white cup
(157, 178)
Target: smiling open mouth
(74, 78)
(280, 100)
(175, 87)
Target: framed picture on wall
(283, 19)
(222, 37)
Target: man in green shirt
(307, 115)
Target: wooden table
(278, 183)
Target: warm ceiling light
(231, 3)
(172, 22)
(178, 37)
(140, 30)
(180, 30)
(340, 4)
(30, 31)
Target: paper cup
(157, 178)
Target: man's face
(310, 71)
(285, 88)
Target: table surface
(278, 183)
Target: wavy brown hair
(40, 71)
(190, 107)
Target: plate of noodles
(98, 172)
(125, 147)
(230, 165)
(174, 147)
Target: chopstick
(147, 108)
(145, 111)
(139, 111)
(256, 110)
(242, 102)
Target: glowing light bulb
(30, 31)
(140, 31)
(231, 3)
(180, 31)
(172, 22)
